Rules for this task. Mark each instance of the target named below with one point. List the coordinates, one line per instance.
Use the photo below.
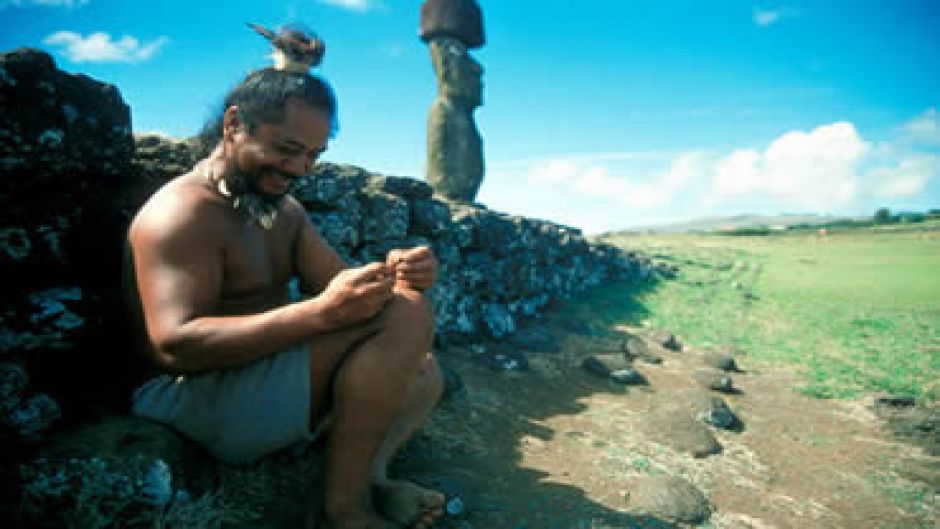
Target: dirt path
(556, 447)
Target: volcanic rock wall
(496, 269)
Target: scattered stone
(714, 410)
(670, 497)
(455, 506)
(674, 427)
(714, 380)
(636, 348)
(595, 367)
(628, 377)
(722, 361)
(604, 364)
(666, 339)
(919, 425)
(893, 400)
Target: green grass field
(855, 310)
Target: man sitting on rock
(243, 371)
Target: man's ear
(230, 122)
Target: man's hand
(415, 268)
(357, 294)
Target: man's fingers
(368, 273)
(411, 255)
(414, 274)
(382, 288)
(394, 257)
(420, 281)
(418, 266)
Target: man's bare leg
(370, 393)
(402, 501)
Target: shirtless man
(243, 371)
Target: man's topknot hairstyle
(262, 97)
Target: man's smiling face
(269, 156)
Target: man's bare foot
(407, 504)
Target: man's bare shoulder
(183, 204)
(293, 207)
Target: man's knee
(409, 309)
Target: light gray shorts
(240, 414)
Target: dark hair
(262, 96)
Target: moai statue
(455, 149)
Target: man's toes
(425, 522)
(431, 500)
(410, 505)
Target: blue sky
(598, 114)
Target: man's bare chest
(256, 266)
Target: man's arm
(178, 267)
(315, 262)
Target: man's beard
(260, 207)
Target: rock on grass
(670, 497)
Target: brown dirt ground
(555, 447)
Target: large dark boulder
(65, 160)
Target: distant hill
(708, 224)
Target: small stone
(715, 411)
(894, 400)
(455, 506)
(674, 427)
(666, 339)
(634, 347)
(603, 365)
(628, 377)
(714, 380)
(670, 497)
(595, 367)
(720, 361)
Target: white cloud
(552, 171)
(924, 128)
(98, 47)
(769, 17)
(830, 168)
(814, 170)
(765, 18)
(361, 6)
(909, 177)
(606, 176)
